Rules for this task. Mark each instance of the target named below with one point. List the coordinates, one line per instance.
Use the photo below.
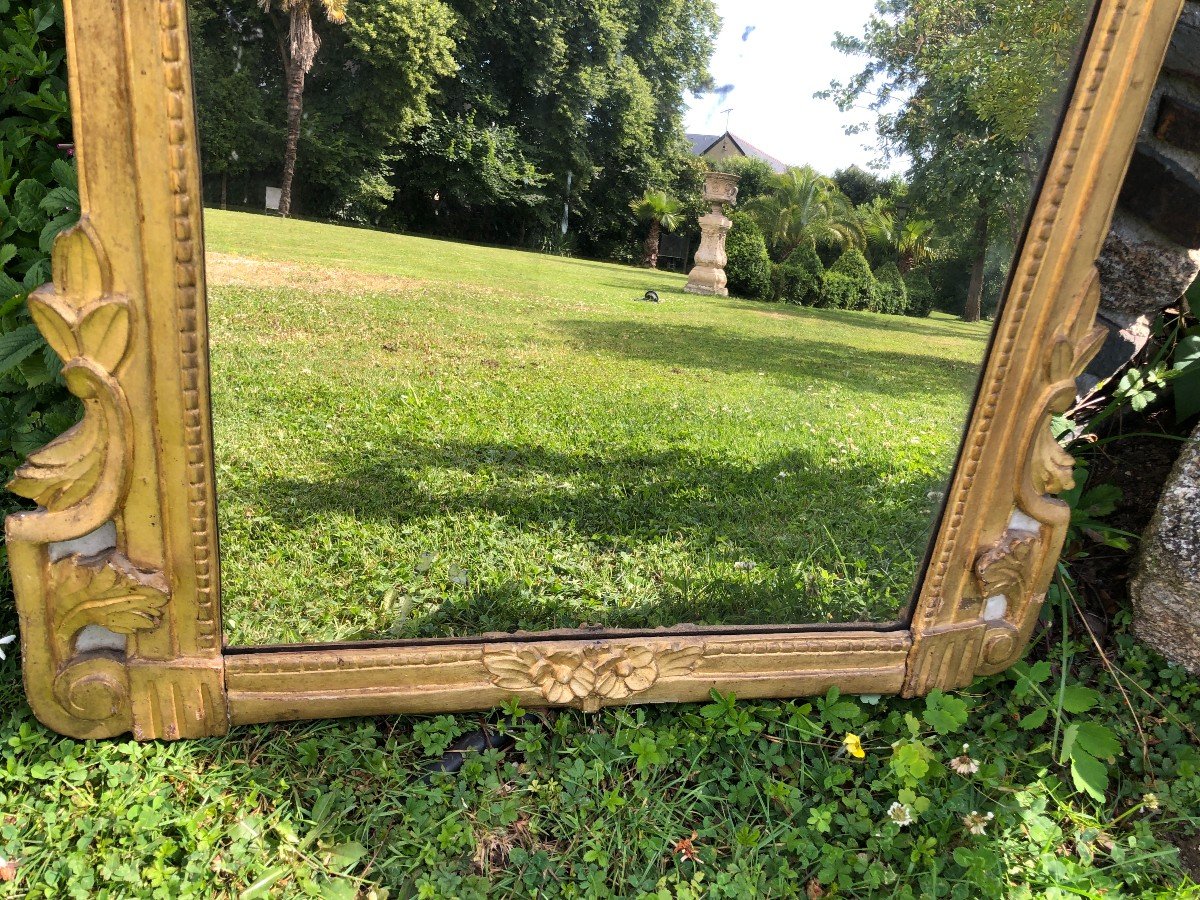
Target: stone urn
(708, 277)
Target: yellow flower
(854, 746)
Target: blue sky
(776, 54)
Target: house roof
(702, 143)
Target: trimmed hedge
(893, 295)
(799, 279)
(749, 266)
(920, 294)
(849, 284)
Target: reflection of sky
(772, 56)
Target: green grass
(762, 795)
(596, 806)
(422, 438)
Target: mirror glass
(473, 368)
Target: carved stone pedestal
(708, 277)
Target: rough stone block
(1166, 587)
(1165, 194)
(1183, 57)
(1179, 124)
(1141, 272)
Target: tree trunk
(974, 308)
(224, 190)
(652, 241)
(295, 111)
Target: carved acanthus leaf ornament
(1005, 568)
(89, 328)
(106, 590)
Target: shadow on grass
(829, 543)
(954, 329)
(795, 362)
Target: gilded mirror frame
(117, 571)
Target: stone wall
(1166, 587)
(1152, 254)
(1151, 257)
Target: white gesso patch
(103, 538)
(995, 608)
(1021, 522)
(96, 637)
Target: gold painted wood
(116, 573)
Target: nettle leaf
(27, 200)
(1035, 719)
(10, 288)
(17, 346)
(58, 199)
(1078, 699)
(1028, 676)
(64, 173)
(1089, 774)
(1098, 740)
(945, 714)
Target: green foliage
(757, 176)
(863, 187)
(975, 122)
(893, 294)
(749, 266)
(1174, 369)
(920, 294)
(849, 284)
(464, 118)
(38, 198)
(804, 208)
(799, 280)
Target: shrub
(849, 283)
(893, 295)
(749, 266)
(920, 294)
(799, 279)
(38, 198)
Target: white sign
(273, 198)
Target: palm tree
(298, 55)
(661, 211)
(910, 243)
(880, 230)
(915, 244)
(806, 208)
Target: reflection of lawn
(421, 438)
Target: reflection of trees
(968, 90)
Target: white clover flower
(976, 822)
(744, 565)
(1150, 801)
(900, 814)
(7, 639)
(964, 765)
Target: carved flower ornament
(590, 674)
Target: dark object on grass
(652, 297)
(476, 742)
